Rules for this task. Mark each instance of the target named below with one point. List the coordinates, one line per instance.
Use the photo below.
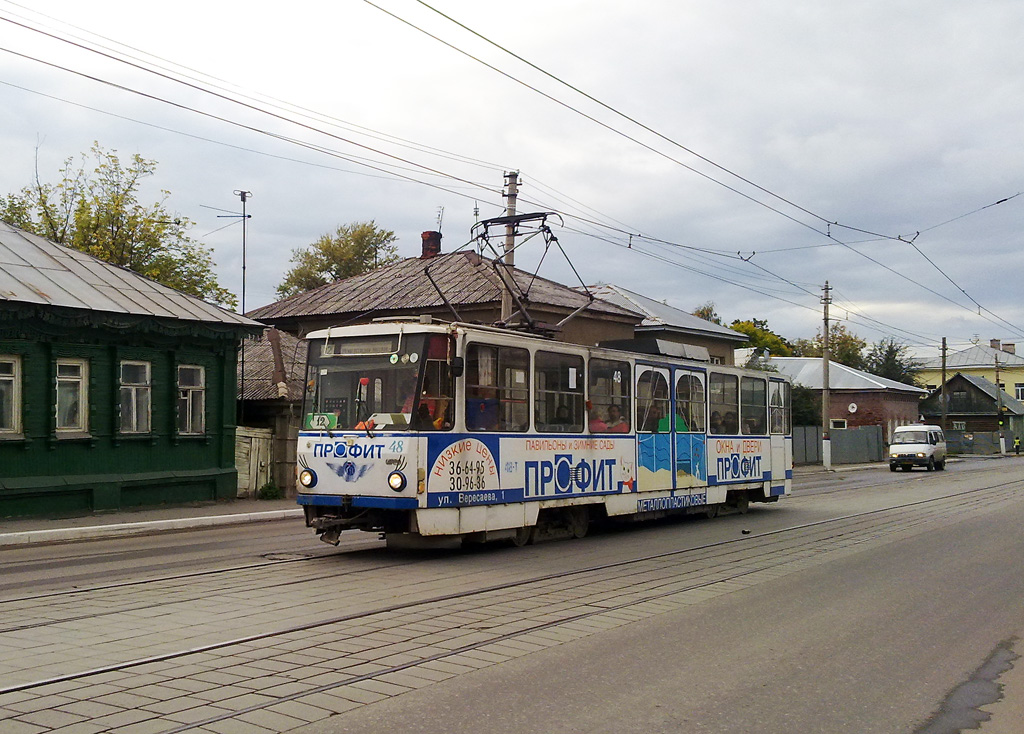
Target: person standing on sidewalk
(1016, 445)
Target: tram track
(261, 584)
(748, 554)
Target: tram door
(691, 466)
(779, 419)
(653, 428)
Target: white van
(917, 445)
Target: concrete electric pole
(826, 441)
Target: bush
(269, 491)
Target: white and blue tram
(421, 428)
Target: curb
(92, 532)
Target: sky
(739, 153)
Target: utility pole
(512, 180)
(245, 196)
(826, 441)
(999, 411)
(942, 396)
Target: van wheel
(940, 465)
(931, 464)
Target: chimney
(994, 343)
(431, 245)
(1010, 348)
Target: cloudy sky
(740, 152)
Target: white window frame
(136, 400)
(1018, 388)
(81, 380)
(12, 380)
(187, 397)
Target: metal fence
(860, 445)
(975, 442)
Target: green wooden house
(115, 391)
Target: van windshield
(911, 437)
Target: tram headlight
(307, 478)
(396, 480)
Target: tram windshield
(390, 382)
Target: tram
(420, 429)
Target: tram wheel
(523, 536)
(578, 521)
(712, 512)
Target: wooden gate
(253, 459)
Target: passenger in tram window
(730, 423)
(562, 417)
(652, 419)
(616, 423)
(597, 425)
(715, 426)
(682, 425)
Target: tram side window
(497, 388)
(781, 410)
(723, 401)
(689, 402)
(558, 392)
(434, 406)
(753, 405)
(610, 382)
(652, 401)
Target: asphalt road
(871, 642)
(866, 624)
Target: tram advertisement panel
(489, 469)
(733, 460)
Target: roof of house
(661, 315)
(979, 355)
(807, 371)
(263, 374)
(465, 278)
(990, 389)
(34, 270)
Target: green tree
(98, 212)
(891, 359)
(806, 406)
(760, 337)
(708, 313)
(844, 347)
(353, 249)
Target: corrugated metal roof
(661, 314)
(979, 355)
(35, 270)
(807, 371)
(464, 277)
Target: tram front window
(359, 383)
